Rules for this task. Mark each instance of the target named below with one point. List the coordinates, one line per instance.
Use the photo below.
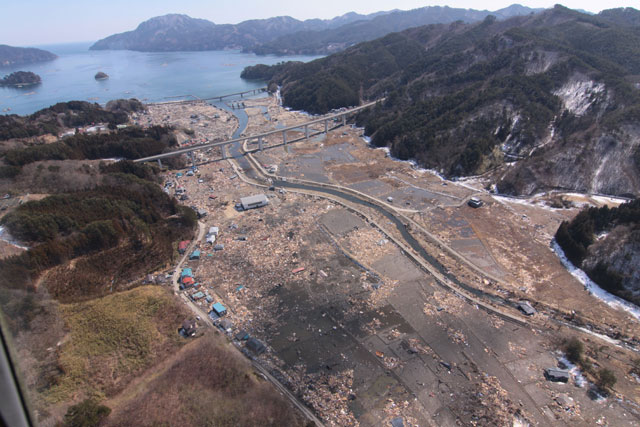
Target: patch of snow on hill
(593, 288)
(578, 95)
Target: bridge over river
(305, 126)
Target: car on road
(474, 202)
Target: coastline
(19, 85)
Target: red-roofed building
(182, 246)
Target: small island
(101, 76)
(20, 79)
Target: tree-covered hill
(176, 32)
(284, 34)
(54, 119)
(605, 242)
(129, 143)
(116, 217)
(20, 78)
(337, 39)
(554, 91)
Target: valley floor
(353, 326)
(362, 334)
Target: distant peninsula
(21, 78)
(101, 76)
(284, 34)
(11, 56)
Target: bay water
(147, 76)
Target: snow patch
(600, 198)
(526, 202)
(578, 378)
(578, 95)
(413, 163)
(595, 290)
(610, 199)
(4, 236)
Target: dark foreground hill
(605, 243)
(554, 95)
(10, 56)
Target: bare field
(204, 383)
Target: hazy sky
(36, 22)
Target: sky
(41, 22)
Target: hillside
(605, 243)
(334, 40)
(94, 330)
(11, 56)
(283, 34)
(175, 32)
(542, 101)
(54, 119)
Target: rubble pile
(399, 410)
(329, 396)
(367, 244)
(496, 321)
(518, 349)
(195, 122)
(566, 405)
(493, 406)
(443, 302)
(415, 345)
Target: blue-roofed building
(198, 295)
(219, 309)
(186, 272)
(195, 254)
(209, 299)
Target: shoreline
(19, 85)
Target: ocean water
(149, 77)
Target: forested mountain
(605, 243)
(175, 32)
(556, 91)
(283, 34)
(337, 39)
(10, 56)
